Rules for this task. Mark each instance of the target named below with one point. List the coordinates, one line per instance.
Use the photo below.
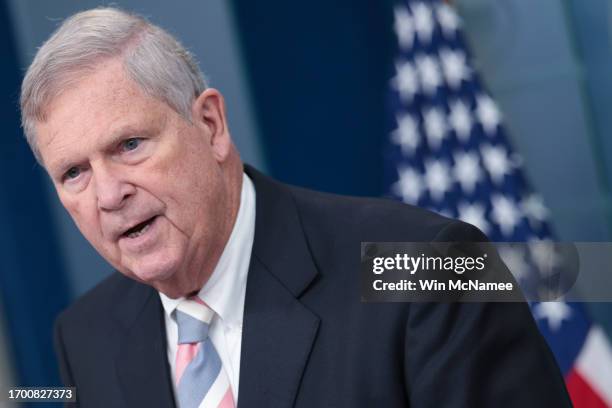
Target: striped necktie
(201, 380)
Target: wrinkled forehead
(94, 108)
(108, 84)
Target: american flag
(447, 151)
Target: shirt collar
(225, 290)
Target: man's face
(145, 187)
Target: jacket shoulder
(377, 219)
(96, 303)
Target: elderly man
(232, 288)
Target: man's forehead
(96, 108)
(107, 90)
(108, 83)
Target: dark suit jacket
(308, 340)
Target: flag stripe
(583, 396)
(594, 364)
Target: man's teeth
(140, 231)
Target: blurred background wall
(305, 86)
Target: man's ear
(208, 114)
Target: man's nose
(112, 190)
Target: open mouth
(139, 229)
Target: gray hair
(152, 58)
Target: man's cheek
(91, 230)
(71, 205)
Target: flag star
(460, 119)
(429, 72)
(437, 178)
(448, 19)
(496, 162)
(544, 255)
(409, 186)
(467, 170)
(505, 214)
(423, 22)
(488, 114)
(435, 126)
(514, 258)
(454, 67)
(407, 134)
(404, 27)
(473, 214)
(554, 312)
(406, 81)
(535, 210)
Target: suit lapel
(278, 330)
(142, 365)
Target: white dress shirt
(224, 292)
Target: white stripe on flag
(594, 363)
(216, 392)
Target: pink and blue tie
(201, 380)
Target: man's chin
(170, 290)
(164, 274)
(161, 279)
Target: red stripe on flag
(581, 393)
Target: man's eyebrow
(120, 134)
(117, 135)
(57, 169)
(59, 166)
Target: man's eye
(131, 143)
(72, 173)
